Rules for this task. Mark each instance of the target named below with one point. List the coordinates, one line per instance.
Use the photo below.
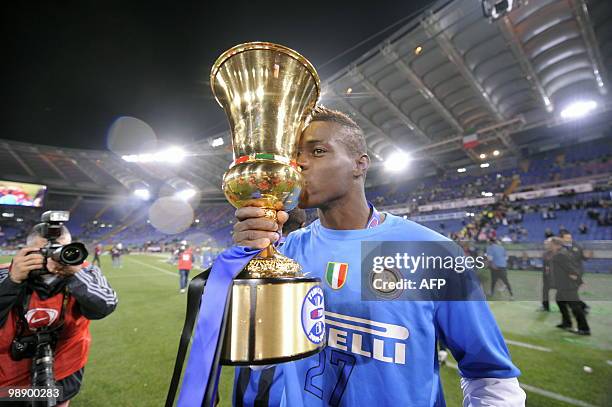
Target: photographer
(59, 304)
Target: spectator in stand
(548, 233)
(583, 229)
(563, 230)
(593, 214)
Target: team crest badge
(336, 274)
(313, 315)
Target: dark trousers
(566, 300)
(184, 278)
(546, 287)
(499, 274)
(96, 259)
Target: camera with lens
(38, 347)
(71, 254)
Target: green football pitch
(133, 350)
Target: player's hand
(254, 230)
(26, 260)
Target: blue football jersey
(378, 352)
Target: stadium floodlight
(484, 165)
(461, 169)
(186, 194)
(172, 155)
(217, 142)
(496, 153)
(487, 193)
(578, 109)
(495, 9)
(482, 156)
(142, 193)
(397, 161)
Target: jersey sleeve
(95, 296)
(469, 330)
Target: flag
(470, 141)
(336, 274)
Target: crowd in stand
(485, 222)
(580, 160)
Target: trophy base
(274, 320)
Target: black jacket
(563, 268)
(88, 286)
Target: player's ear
(362, 163)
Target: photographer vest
(72, 348)
(185, 259)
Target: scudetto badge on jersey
(313, 315)
(336, 274)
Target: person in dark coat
(566, 280)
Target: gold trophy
(268, 91)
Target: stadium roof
(452, 72)
(448, 73)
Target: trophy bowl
(268, 92)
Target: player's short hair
(37, 231)
(352, 137)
